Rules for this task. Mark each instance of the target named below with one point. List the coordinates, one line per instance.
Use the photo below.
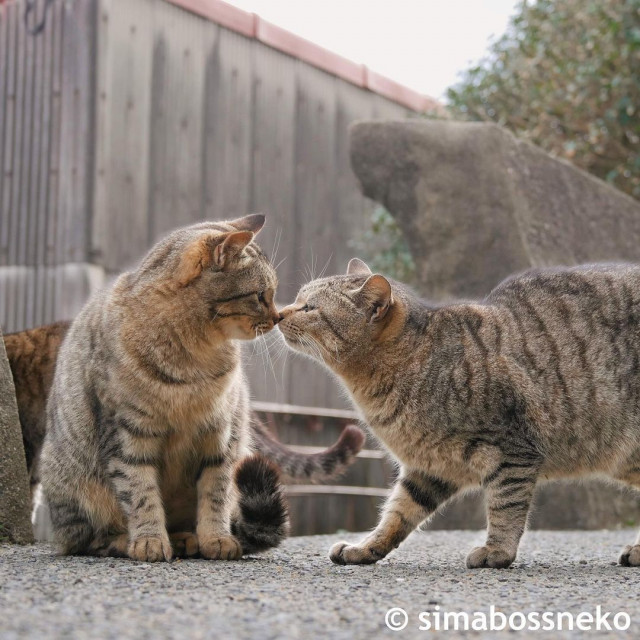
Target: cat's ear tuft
(195, 258)
(375, 297)
(231, 247)
(357, 267)
(253, 222)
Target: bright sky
(422, 44)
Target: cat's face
(212, 276)
(339, 318)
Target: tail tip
(257, 474)
(352, 438)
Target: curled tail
(261, 520)
(309, 467)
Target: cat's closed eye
(308, 307)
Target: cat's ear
(357, 267)
(208, 250)
(195, 258)
(253, 222)
(375, 297)
(231, 247)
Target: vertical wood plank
(4, 79)
(315, 203)
(39, 237)
(177, 118)
(353, 210)
(228, 131)
(76, 126)
(119, 233)
(15, 153)
(51, 211)
(272, 193)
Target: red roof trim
(294, 45)
(222, 13)
(253, 26)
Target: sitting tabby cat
(541, 378)
(148, 415)
(32, 356)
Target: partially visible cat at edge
(32, 356)
(147, 435)
(539, 379)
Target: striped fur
(539, 379)
(148, 415)
(32, 356)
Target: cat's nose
(286, 311)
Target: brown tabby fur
(541, 379)
(148, 417)
(32, 355)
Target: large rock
(15, 499)
(476, 205)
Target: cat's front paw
(630, 556)
(489, 558)
(184, 544)
(150, 549)
(220, 547)
(343, 553)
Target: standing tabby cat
(541, 378)
(148, 414)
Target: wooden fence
(124, 119)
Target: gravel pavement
(295, 592)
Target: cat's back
(591, 284)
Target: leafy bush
(566, 76)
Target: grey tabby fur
(541, 379)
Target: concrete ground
(295, 592)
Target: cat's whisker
(326, 265)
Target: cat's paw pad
(343, 553)
(489, 558)
(220, 547)
(150, 549)
(630, 556)
(184, 544)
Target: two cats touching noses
(150, 450)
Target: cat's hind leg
(630, 556)
(414, 498)
(184, 544)
(509, 488)
(72, 528)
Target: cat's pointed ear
(357, 267)
(253, 222)
(194, 259)
(375, 297)
(208, 250)
(231, 247)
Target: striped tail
(262, 520)
(304, 467)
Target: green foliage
(566, 76)
(383, 247)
